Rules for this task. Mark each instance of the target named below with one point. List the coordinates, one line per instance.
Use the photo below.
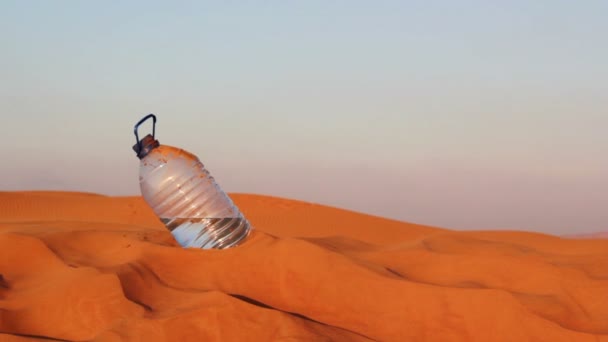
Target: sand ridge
(89, 267)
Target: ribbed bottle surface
(188, 201)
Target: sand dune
(88, 267)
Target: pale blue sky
(462, 114)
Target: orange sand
(88, 267)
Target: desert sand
(79, 266)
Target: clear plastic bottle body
(186, 198)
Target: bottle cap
(143, 147)
(148, 143)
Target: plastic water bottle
(185, 196)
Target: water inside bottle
(208, 232)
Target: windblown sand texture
(78, 266)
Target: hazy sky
(461, 114)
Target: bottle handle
(139, 147)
